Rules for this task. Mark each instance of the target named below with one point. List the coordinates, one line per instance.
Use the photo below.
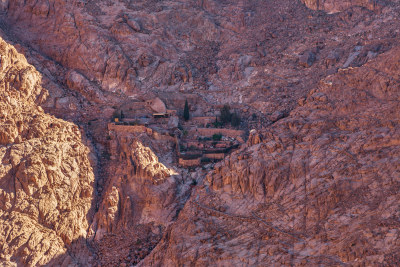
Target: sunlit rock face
(46, 181)
(140, 199)
(334, 6)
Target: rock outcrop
(46, 180)
(140, 199)
(333, 6)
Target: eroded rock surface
(46, 180)
(140, 200)
(322, 187)
(333, 6)
(316, 183)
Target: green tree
(217, 137)
(226, 115)
(186, 114)
(235, 120)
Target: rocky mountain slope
(46, 179)
(321, 189)
(316, 184)
(251, 52)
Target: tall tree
(225, 114)
(186, 114)
(235, 119)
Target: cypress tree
(186, 111)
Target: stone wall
(140, 129)
(215, 156)
(129, 128)
(189, 162)
(211, 131)
(202, 120)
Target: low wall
(195, 144)
(215, 156)
(140, 129)
(129, 128)
(189, 162)
(211, 131)
(202, 120)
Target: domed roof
(158, 105)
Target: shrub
(205, 160)
(116, 115)
(217, 137)
(106, 155)
(217, 124)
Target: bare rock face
(46, 180)
(321, 189)
(333, 6)
(139, 200)
(315, 184)
(254, 138)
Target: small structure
(160, 115)
(157, 105)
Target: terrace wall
(189, 162)
(215, 156)
(211, 131)
(202, 120)
(129, 128)
(140, 129)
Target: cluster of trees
(226, 116)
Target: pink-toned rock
(46, 181)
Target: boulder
(307, 59)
